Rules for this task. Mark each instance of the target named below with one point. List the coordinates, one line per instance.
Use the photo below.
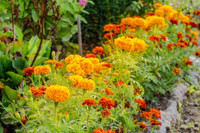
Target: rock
(180, 91)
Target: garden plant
(105, 91)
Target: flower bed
(105, 91)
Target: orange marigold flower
(108, 65)
(58, 93)
(89, 102)
(105, 113)
(59, 65)
(136, 91)
(45, 69)
(189, 36)
(146, 115)
(157, 5)
(106, 102)
(187, 28)
(109, 35)
(164, 37)
(194, 24)
(154, 38)
(108, 91)
(196, 12)
(142, 125)
(141, 103)
(29, 71)
(42, 88)
(119, 83)
(86, 84)
(99, 50)
(109, 27)
(37, 92)
(195, 43)
(155, 112)
(90, 56)
(176, 71)
(180, 35)
(197, 53)
(109, 131)
(173, 21)
(120, 28)
(149, 14)
(155, 122)
(188, 62)
(24, 120)
(183, 41)
(170, 46)
(98, 130)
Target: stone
(180, 91)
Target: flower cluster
(29, 71)
(56, 63)
(141, 103)
(89, 102)
(106, 102)
(38, 92)
(45, 69)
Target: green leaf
(16, 78)
(34, 15)
(2, 47)
(11, 93)
(5, 65)
(20, 63)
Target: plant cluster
(103, 92)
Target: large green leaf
(5, 65)
(16, 78)
(2, 48)
(20, 63)
(34, 15)
(11, 93)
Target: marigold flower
(173, 21)
(155, 122)
(142, 125)
(109, 35)
(156, 21)
(75, 79)
(86, 84)
(154, 38)
(195, 43)
(149, 14)
(106, 102)
(196, 12)
(106, 113)
(183, 18)
(71, 58)
(159, 12)
(57, 93)
(197, 53)
(1, 87)
(90, 56)
(127, 21)
(87, 66)
(127, 104)
(42, 88)
(37, 92)
(188, 62)
(136, 91)
(98, 130)
(170, 46)
(155, 112)
(29, 71)
(187, 28)
(109, 27)
(108, 65)
(146, 115)
(45, 69)
(164, 37)
(189, 36)
(120, 28)
(98, 50)
(119, 83)
(89, 102)
(194, 24)
(139, 22)
(109, 131)
(108, 91)
(141, 103)
(176, 71)
(157, 5)
(180, 41)
(94, 60)
(180, 35)
(194, 33)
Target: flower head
(90, 56)
(170, 46)
(99, 50)
(180, 35)
(109, 35)
(105, 113)
(86, 84)
(188, 62)
(58, 93)
(146, 115)
(98, 130)
(173, 21)
(141, 103)
(1, 87)
(176, 71)
(154, 38)
(155, 122)
(109, 27)
(45, 69)
(142, 125)
(197, 53)
(89, 102)
(155, 112)
(37, 92)
(106, 102)
(29, 71)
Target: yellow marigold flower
(87, 66)
(139, 22)
(167, 9)
(172, 15)
(94, 60)
(57, 93)
(80, 73)
(45, 69)
(71, 57)
(75, 79)
(86, 84)
(156, 20)
(139, 44)
(183, 18)
(159, 12)
(98, 68)
(127, 21)
(51, 61)
(157, 5)
(71, 68)
(194, 33)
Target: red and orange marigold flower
(136, 91)
(29, 71)
(176, 71)
(188, 62)
(197, 53)
(196, 12)
(90, 56)
(170, 46)
(1, 87)
(180, 35)
(106, 102)
(141, 103)
(109, 35)
(89, 102)
(164, 37)
(154, 38)
(108, 91)
(99, 50)
(155, 122)
(146, 115)
(37, 92)
(142, 125)
(174, 21)
(106, 113)
(155, 112)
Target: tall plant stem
(41, 28)
(88, 117)
(13, 23)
